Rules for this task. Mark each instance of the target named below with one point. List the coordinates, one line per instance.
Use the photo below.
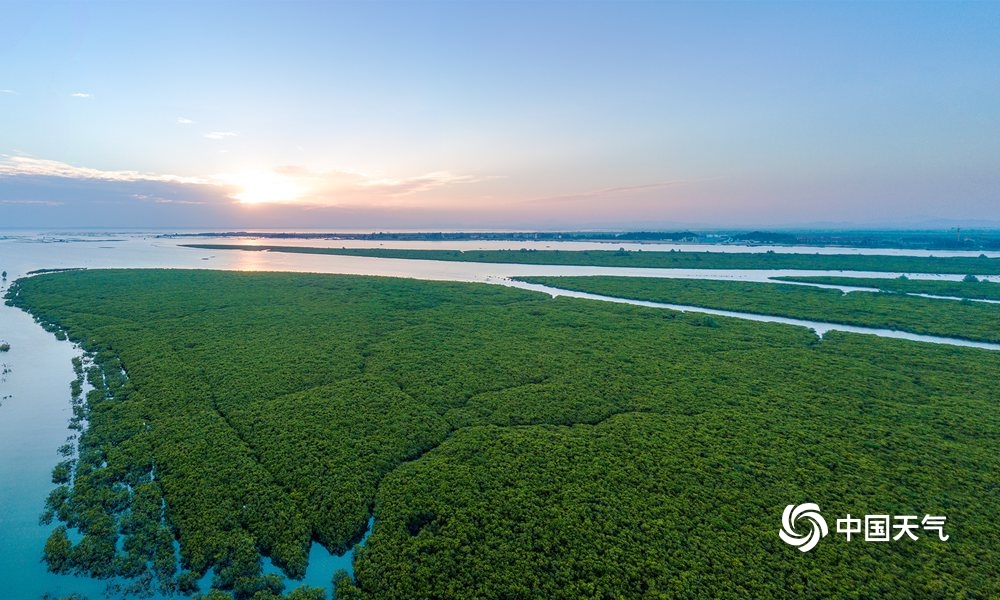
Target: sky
(498, 115)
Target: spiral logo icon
(817, 526)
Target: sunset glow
(259, 187)
(498, 115)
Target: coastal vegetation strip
(888, 239)
(970, 288)
(509, 444)
(927, 316)
(662, 260)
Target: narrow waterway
(34, 414)
(35, 373)
(820, 327)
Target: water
(850, 288)
(608, 245)
(934, 297)
(34, 395)
(35, 411)
(821, 328)
(33, 418)
(322, 564)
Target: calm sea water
(34, 393)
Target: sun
(260, 187)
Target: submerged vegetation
(969, 288)
(929, 316)
(508, 444)
(664, 260)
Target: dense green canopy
(930, 316)
(658, 259)
(510, 445)
(984, 290)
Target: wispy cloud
(619, 191)
(184, 121)
(81, 95)
(33, 202)
(220, 135)
(347, 188)
(14, 166)
(296, 184)
(162, 200)
(288, 184)
(8, 92)
(420, 183)
(36, 192)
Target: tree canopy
(508, 444)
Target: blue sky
(497, 115)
